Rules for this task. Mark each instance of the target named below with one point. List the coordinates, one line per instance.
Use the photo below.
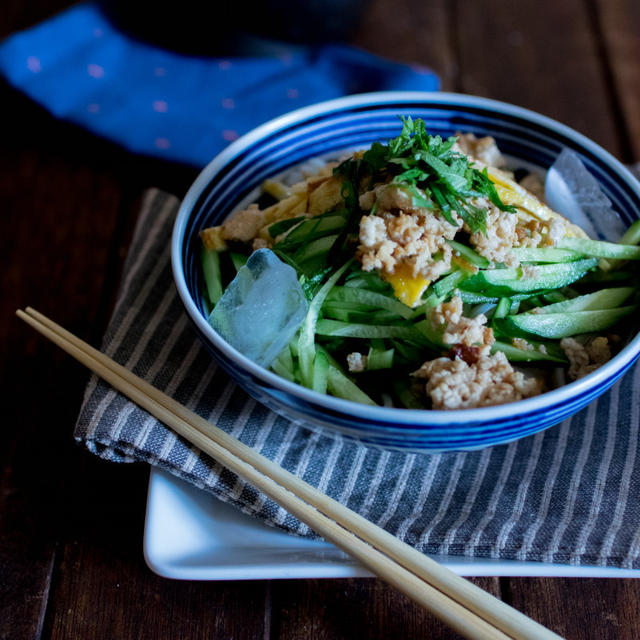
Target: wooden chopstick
(468, 609)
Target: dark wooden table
(71, 525)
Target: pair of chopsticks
(469, 610)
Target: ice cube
(573, 192)
(261, 309)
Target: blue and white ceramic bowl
(357, 121)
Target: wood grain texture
(618, 23)
(344, 609)
(102, 587)
(70, 202)
(543, 56)
(411, 32)
(54, 253)
(581, 608)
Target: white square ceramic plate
(190, 535)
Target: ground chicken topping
(391, 197)
(587, 357)
(356, 362)
(470, 376)
(556, 230)
(521, 343)
(483, 149)
(491, 380)
(260, 243)
(538, 233)
(500, 237)
(460, 330)
(387, 239)
(447, 312)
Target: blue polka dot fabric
(178, 107)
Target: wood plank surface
(47, 261)
(413, 33)
(589, 608)
(103, 589)
(71, 525)
(618, 28)
(70, 203)
(345, 609)
(545, 59)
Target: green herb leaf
(426, 164)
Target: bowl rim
(399, 416)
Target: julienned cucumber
(306, 340)
(335, 328)
(320, 372)
(514, 354)
(468, 254)
(561, 325)
(598, 301)
(238, 259)
(503, 282)
(448, 283)
(339, 385)
(471, 297)
(545, 254)
(310, 229)
(632, 234)
(212, 276)
(369, 298)
(284, 225)
(380, 359)
(600, 249)
(315, 248)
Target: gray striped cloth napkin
(570, 494)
